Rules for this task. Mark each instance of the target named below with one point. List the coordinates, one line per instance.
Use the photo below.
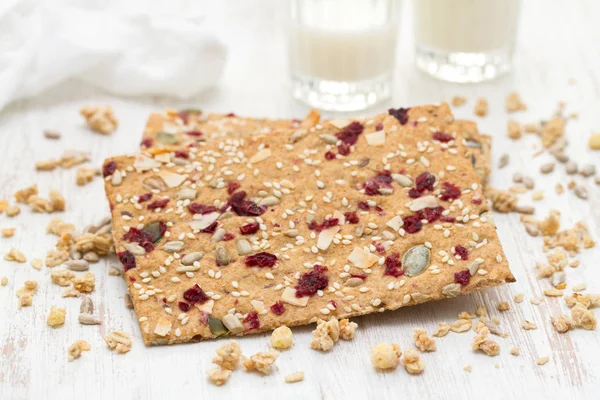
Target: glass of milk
(341, 52)
(465, 40)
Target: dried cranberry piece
(312, 281)
(230, 115)
(462, 252)
(431, 214)
(351, 217)
(158, 204)
(148, 246)
(343, 149)
(393, 265)
(378, 126)
(382, 180)
(333, 303)
(424, 182)
(329, 155)
(261, 260)
(476, 200)
(135, 235)
(349, 134)
(363, 205)
(379, 247)
(228, 236)
(146, 142)
(127, 259)
(243, 207)
(361, 276)
(326, 224)
(145, 197)
(249, 229)
(183, 306)
(182, 154)
(194, 133)
(450, 192)
(463, 277)
(414, 193)
(211, 228)
(447, 218)
(195, 295)
(109, 168)
(412, 224)
(196, 208)
(252, 320)
(232, 186)
(278, 308)
(401, 114)
(442, 137)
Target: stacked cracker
(229, 226)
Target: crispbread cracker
(294, 173)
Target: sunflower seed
(191, 258)
(291, 233)
(363, 162)
(222, 255)
(588, 170)
(243, 247)
(88, 319)
(571, 168)
(91, 256)
(581, 192)
(532, 229)
(547, 168)
(517, 177)
(298, 135)
(402, 180)
(528, 182)
(173, 246)
(114, 271)
(269, 201)
(524, 209)
(451, 290)
(128, 301)
(218, 235)
(416, 260)
(493, 327)
(385, 191)
(78, 265)
(51, 134)
(74, 253)
(353, 282)
(557, 278)
(503, 161)
(134, 249)
(87, 305)
(329, 139)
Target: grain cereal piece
(412, 361)
(77, 348)
(118, 341)
(514, 103)
(481, 107)
(26, 292)
(261, 362)
(282, 338)
(15, 255)
(458, 101)
(385, 356)
(56, 317)
(100, 119)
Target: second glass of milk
(465, 40)
(341, 52)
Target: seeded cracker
(245, 235)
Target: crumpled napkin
(124, 47)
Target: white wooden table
(558, 41)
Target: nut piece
(458, 101)
(85, 283)
(528, 325)
(488, 346)
(347, 329)
(441, 330)
(261, 362)
(514, 103)
(119, 341)
(62, 277)
(385, 356)
(100, 119)
(422, 340)
(26, 292)
(85, 175)
(481, 107)
(15, 255)
(77, 348)
(282, 338)
(56, 317)
(8, 232)
(412, 362)
(228, 355)
(461, 325)
(219, 376)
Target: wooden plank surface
(558, 41)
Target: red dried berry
(145, 197)
(252, 321)
(194, 133)
(361, 276)
(312, 281)
(378, 126)
(127, 259)
(146, 142)
(183, 306)
(232, 186)
(363, 205)
(211, 228)
(431, 214)
(462, 277)
(230, 115)
(329, 155)
(462, 252)
(109, 168)
(351, 217)
(142, 238)
(414, 193)
(326, 224)
(424, 182)
(243, 207)
(382, 180)
(343, 149)
(249, 229)
(450, 192)
(401, 114)
(195, 294)
(412, 224)
(379, 247)
(196, 208)
(278, 308)
(261, 260)
(158, 204)
(333, 303)
(393, 265)
(442, 137)
(447, 218)
(228, 236)
(182, 154)
(349, 134)
(476, 200)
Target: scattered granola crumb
(325, 335)
(594, 141)
(62, 277)
(461, 325)
(15, 255)
(47, 165)
(347, 329)
(385, 356)
(562, 323)
(8, 232)
(528, 325)
(513, 130)
(503, 306)
(295, 377)
(119, 341)
(23, 195)
(514, 103)
(56, 317)
(219, 376)
(77, 348)
(39, 204)
(515, 351)
(26, 292)
(465, 315)
(588, 300)
(488, 346)
(51, 134)
(535, 301)
(458, 101)
(58, 227)
(100, 119)
(502, 201)
(4, 281)
(481, 107)
(553, 292)
(412, 362)
(114, 271)
(70, 292)
(85, 283)
(468, 368)
(441, 330)
(422, 341)
(228, 355)
(85, 175)
(13, 211)
(552, 131)
(503, 161)
(547, 168)
(583, 318)
(57, 201)
(282, 338)
(56, 257)
(537, 195)
(559, 188)
(551, 224)
(518, 298)
(481, 311)
(542, 360)
(3, 205)
(261, 362)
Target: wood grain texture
(558, 41)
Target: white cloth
(125, 47)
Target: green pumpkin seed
(416, 260)
(154, 230)
(216, 327)
(166, 138)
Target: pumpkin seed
(216, 327)
(154, 183)
(416, 260)
(193, 111)
(166, 138)
(191, 258)
(173, 246)
(402, 180)
(74, 253)
(154, 230)
(222, 255)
